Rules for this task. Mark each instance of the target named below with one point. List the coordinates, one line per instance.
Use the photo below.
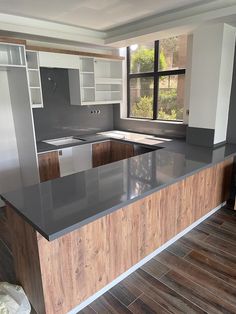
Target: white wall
(206, 57)
(10, 177)
(225, 83)
(23, 122)
(211, 78)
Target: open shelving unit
(108, 80)
(87, 80)
(100, 81)
(35, 88)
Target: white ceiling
(99, 15)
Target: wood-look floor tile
(229, 226)
(126, 292)
(227, 211)
(217, 269)
(87, 310)
(214, 220)
(197, 294)
(210, 251)
(197, 234)
(145, 305)
(179, 249)
(222, 245)
(163, 295)
(200, 276)
(155, 269)
(7, 272)
(107, 303)
(224, 217)
(219, 232)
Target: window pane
(142, 58)
(141, 97)
(171, 97)
(172, 53)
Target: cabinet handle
(60, 152)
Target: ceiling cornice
(158, 26)
(25, 25)
(184, 20)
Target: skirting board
(142, 262)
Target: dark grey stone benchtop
(59, 206)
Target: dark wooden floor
(197, 274)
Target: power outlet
(95, 111)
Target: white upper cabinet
(12, 55)
(58, 60)
(100, 82)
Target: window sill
(154, 121)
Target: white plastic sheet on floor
(13, 300)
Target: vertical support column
(211, 79)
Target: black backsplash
(59, 118)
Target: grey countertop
(59, 206)
(43, 147)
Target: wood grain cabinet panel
(121, 151)
(59, 275)
(49, 166)
(111, 151)
(101, 153)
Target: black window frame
(156, 74)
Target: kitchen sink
(64, 141)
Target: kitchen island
(74, 236)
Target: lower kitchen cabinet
(121, 151)
(110, 151)
(75, 159)
(101, 153)
(49, 166)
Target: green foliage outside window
(168, 110)
(142, 61)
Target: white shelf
(87, 72)
(108, 80)
(34, 79)
(11, 66)
(103, 102)
(37, 105)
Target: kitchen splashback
(58, 118)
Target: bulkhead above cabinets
(58, 60)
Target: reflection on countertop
(57, 207)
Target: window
(156, 79)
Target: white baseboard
(142, 262)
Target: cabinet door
(75, 159)
(101, 153)
(121, 151)
(48, 166)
